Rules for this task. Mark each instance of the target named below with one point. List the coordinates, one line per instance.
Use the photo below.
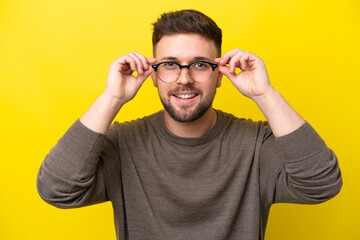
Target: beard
(200, 109)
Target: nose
(184, 77)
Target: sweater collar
(190, 141)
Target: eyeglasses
(199, 71)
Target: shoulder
(140, 125)
(236, 127)
(243, 123)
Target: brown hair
(187, 21)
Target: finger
(227, 56)
(138, 63)
(122, 65)
(235, 62)
(125, 69)
(144, 62)
(242, 60)
(226, 71)
(247, 61)
(218, 60)
(151, 60)
(141, 77)
(130, 61)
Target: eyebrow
(197, 58)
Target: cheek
(214, 84)
(163, 90)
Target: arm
(121, 87)
(253, 82)
(73, 174)
(298, 168)
(296, 165)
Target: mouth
(186, 96)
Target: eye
(169, 65)
(201, 66)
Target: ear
(219, 79)
(153, 77)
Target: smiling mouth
(185, 96)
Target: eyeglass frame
(213, 66)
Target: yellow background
(54, 58)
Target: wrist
(113, 102)
(101, 113)
(283, 119)
(266, 98)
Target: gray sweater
(219, 186)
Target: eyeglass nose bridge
(184, 66)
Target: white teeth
(186, 96)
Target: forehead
(185, 47)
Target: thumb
(142, 77)
(226, 71)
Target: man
(189, 171)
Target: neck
(195, 129)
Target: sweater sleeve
(72, 174)
(299, 168)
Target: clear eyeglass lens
(198, 71)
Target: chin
(186, 114)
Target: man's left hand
(253, 80)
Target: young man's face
(184, 99)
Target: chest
(176, 189)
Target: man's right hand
(121, 84)
(121, 87)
